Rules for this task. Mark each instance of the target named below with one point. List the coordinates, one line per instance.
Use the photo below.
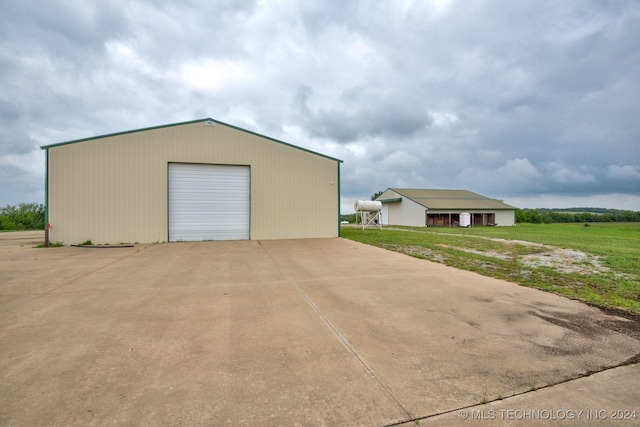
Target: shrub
(24, 216)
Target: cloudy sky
(533, 102)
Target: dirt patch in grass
(566, 261)
(530, 254)
(417, 251)
(560, 259)
(489, 253)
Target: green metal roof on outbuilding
(446, 199)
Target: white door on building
(209, 202)
(385, 214)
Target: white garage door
(208, 202)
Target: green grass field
(599, 264)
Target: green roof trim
(75, 141)
(339, 225)
(397, 199)
(46, 188)
(108, 135)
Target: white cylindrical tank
(465, 219)
(367, 206)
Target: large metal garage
(191, 181)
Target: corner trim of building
(339, 230)
(46, 187)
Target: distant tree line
(348, 217)
(24, 216)
(549, 216)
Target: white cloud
(518, 174)
(400, 160)
(441, 6)
(25, 172)
(517, 170)
(30, 163)
(214, 75)
(488, 156)
(443, 118)
(564, 175)
(125, 55)
(624, 172)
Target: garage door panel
(208, 202)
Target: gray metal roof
(448, 199)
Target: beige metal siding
(506, 218)
(114, 189)
(406, 212)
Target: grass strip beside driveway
(599, 264)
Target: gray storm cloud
(530, 102)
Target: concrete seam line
(515, 395)
(336, 332)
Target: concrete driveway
(296, 332)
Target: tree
(567, 215)
(25, 216)
(376, 195)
